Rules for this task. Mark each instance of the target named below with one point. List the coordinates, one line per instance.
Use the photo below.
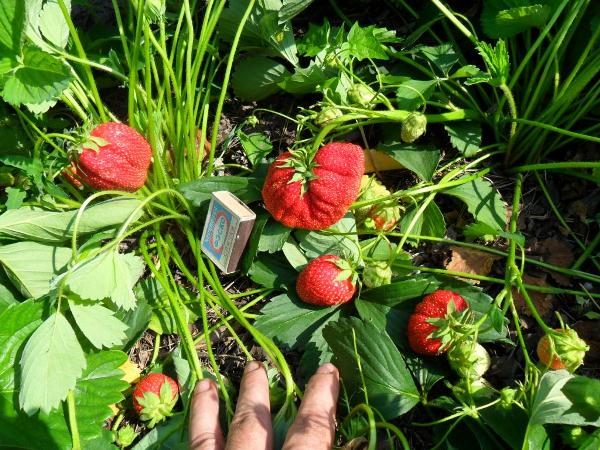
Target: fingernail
(253, 365)
(326, 368)
(203, 385)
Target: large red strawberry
(434, 307)
(115, 156)
(314, 191)
(326, 281)
(154, 397)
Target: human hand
(314, 427)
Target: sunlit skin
(251, 428)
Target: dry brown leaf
(471, 261)
(359, 443)
(543, 302)
(558, 253)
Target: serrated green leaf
(255, 145)
(99, 386)
(551, 405)
(171, 435)
(306, 80)
(363, 43)
(52, 23)
(412, 93)
(14, 198)
(56, 227)
(504, 19)
(483, 201)
(467, 71)
(442, 56)
(12, 23)
(98, 324)
(17, 322)
(40, 78)
(272, 271)
(430, 223)
(52, 354)
(292, 323)
(257, 77)
(199, 192)
(294, 255)
(273, 237)
(32, 266)
(345, 244)
(420, 159)
(465, 137)
(316, 39)
(109, 275)
(388, 382)
(291, 8)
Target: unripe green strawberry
(562, 349)
(327, 115)
(362, 95)
(125, 436)
(413, 127)
(326, 281)
(470, 360)
(377, 273)
(379, 216)
(154, 397)
(507, 397)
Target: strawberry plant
(374, 142)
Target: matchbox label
(226, 230)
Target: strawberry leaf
(108, 275)
(52, 354)
(98, 324)
(387, 380)
(31, 266)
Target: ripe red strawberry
(314, 191)
(326, 281)
(154, 397)
(433, 306)
(115, 157)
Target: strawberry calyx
(156, 408)
(348, 271)
(453, 327)
(303, 164)
(570, 349)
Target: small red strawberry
(326, 281)
(115, 156)
(154, 397)
(436, 305)
(314, 191)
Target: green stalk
(557, 165)
(225, 83)
(452, 17)
(88, 71)
(591, 247)
(74, 428)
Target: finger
(205, 431)
(251, 425)
(314, 427)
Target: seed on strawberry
(115, 156)
(326, 281)
(314, 191)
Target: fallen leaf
(558, 253)
(544, 303)
(471, 261)
(359, 443)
